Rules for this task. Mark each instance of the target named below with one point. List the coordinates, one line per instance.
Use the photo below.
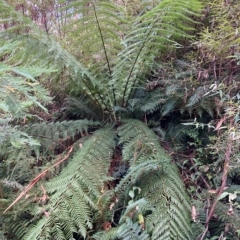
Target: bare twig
(223, 185)
(36, 179)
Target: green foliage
(149, 164)
(153, 32)
(81, 107)
(164, 24)
(103, 21)
(74, 193)
(130, 230)
(52, 134)
(220, 40)
(20, 92)
(107, 57)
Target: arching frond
(74, 193)
(40, 48)
(159, 183)
(50, 135)
(153, 32)
(81, 107)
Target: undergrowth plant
(95, 169)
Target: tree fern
(76, 200)
(162, 25)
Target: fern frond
(97, 29)
(20, 89)
(152, 171)
(106, 235)
(81, 108)
(198, 95)
(154, 31)
(73, 194)
(152, 102)
(102, 21)
(44, 140)
(170, 105)
(40, 48)
(50, 135)
(143, 143)
(131, 230)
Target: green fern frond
(50, 135)
(131, 230)
(198, 95)
(172, 89)
(98, 27)
(152, 102)
(45, 139)
(170, 105)
(20, 90)
(143, 143)
(102, 21)
(81, 108)
(40, 48)
(171, 215)
(107, 235)
(74, 193)
(151, 171)
(154, 31)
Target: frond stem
(92, 95)
(131, 90)
(36, 179)
(134, 64)
(105, 51)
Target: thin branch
(224, 182)
(135, 61)
(36, 179)
(105, 51)
(196, 170)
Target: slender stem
(131, 71)
(103, 102)
(105, 51)
(36, 179)
(135, 62)
(228, 152)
